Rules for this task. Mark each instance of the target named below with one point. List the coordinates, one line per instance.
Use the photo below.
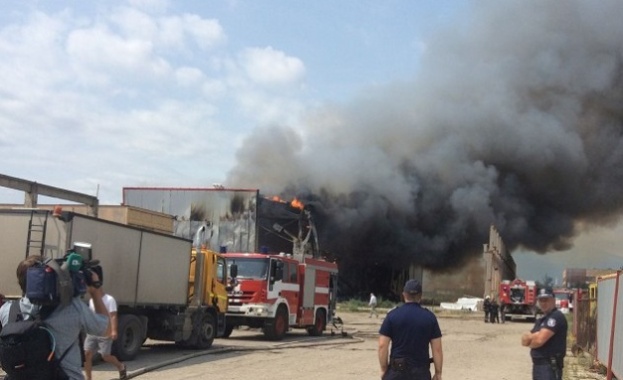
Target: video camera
(79, 259)
(58, 280)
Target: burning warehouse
(237, 220)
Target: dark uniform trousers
(417, 373)
(542, 370)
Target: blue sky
(151, 86)
(95, 96)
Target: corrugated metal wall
(230, 214)
(610, 322)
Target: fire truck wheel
(320, 322)
(228, 331)
(130, 337)
(276, 328)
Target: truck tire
(275, 329)
(228, 330)
(320, 323)
(205, 330)
(130, 337)
(203, 333)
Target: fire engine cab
(279, 291)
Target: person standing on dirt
(486, 306)
(410, 329)
(547, 339)
(372, 305)
(103, 344)
(494, 309)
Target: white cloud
(134, 23)
(189, 76)
(124, 95)
(100, 48)
(206, 33)
(150, 5)
(271, 67)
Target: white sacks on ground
(463, 303)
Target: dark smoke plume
(514, 118)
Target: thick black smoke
(514, 118)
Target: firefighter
(547, 339)
(487, 308)
(494, 309)
(410, 329)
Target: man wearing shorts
(103, 344)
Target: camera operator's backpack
(28, 349)
(50, 283)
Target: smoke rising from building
(513, 118)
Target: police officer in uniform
(411, 329)
(547, 339)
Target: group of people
(492, 310)
(411, 330)
(98, 320)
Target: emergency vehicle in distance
(518, 299)
(279, 291)
(564, 299)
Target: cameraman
(65, 322)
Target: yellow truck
(166, 287)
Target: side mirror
(233, 270)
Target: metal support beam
(33, 190)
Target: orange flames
(295, 203)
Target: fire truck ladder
(37, 226)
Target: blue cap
(545, 292)
(412, 287)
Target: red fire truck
(279, 291)
(518, 299)
(564, 299)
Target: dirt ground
(472, 350)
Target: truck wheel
(206, 331)
(276, 328)
(320, 322)
(130, 337)
(228, 330)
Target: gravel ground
(472, 350)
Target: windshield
(250, 268)
(517, 295)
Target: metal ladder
(37, 227)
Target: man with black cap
(411, 329)
(547, 339)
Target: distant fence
(584, 322)
(598, 322)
